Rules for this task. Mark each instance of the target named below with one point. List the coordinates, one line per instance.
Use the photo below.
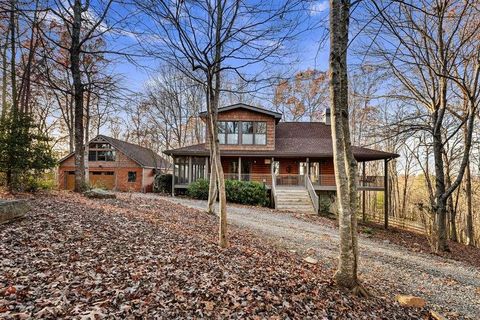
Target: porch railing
(328, 180)
(291, 180)
(261, 178)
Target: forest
(400, 76)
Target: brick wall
(247, 115)
(121, 166)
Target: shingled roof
(276, 115)
(143, 156)
(294, 139)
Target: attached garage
(102, 179)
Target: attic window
(101, 155)
(99, 146)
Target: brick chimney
(327, 117)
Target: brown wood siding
(292, 163)
(121, 166)
(327, 172)
(247, 115)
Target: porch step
(294, 200)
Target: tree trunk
(78, 97)
(344, 163)
(469, 215)
(4, 78)
(13, 79)
(212, 187)
(440, 207)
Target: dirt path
(449, 286)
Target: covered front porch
(283, 172)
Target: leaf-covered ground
(134, 258)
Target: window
(254, 132)
(181, 170)
(101, 155)
(261, 133)
(247, 132)
(232, 132)
(132, 176)
(99, 146)
(198, 168)
(228, 132)
(221, 132)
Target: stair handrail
(274, 190)
(312, 193)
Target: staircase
(294, 200)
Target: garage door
(69, 180)
(102, 179)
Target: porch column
(385, 193)
(190, 170)
(173, 177)
(308, 167)
(206, 168)
(239, 168)
(363, 192)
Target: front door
(246, 169)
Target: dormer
(245, 127)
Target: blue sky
(307, 50)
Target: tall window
(198, 168)
(247, 132)
(228, 132)
(181, 170)
(254, 132)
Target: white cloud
(318, 7)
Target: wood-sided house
(116, 165)
(293, 159)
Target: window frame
(223, 126)
(106, 151)
(254, 134)
(129, 180)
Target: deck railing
(261, 178)
(323, 180)
(328, 180)
(290, 180)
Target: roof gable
(143, 156)
(276, 115)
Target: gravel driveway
(450, 287)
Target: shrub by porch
(243, 192)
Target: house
(293, 159)
(116, 165)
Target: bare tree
(344, 162)
(422, 44)
(206, 40)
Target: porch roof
(293, 139)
